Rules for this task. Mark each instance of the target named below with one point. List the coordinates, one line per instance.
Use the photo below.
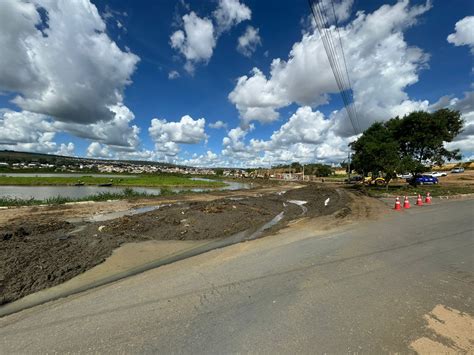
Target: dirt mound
(38, 253)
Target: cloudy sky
(223, 82)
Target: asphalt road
(369, 288)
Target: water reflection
(78, 192)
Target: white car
(437, 173)
(405, 176)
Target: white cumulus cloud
(307, 136)
(66, 149)
(168, 135)
(66, 72)
(230, 13)
(31, 132)
(198, 37)
(380, 62)
(196, 42)
(97, 150)
(218, 125)
(173, 75)
(464, 35)
(248, 42)
(70, 69)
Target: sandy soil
(451, 332)
(465, 178)
(41, 249)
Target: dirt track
(42, 250)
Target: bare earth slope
(37, 252)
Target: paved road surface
(404, 280)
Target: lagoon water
(77, 192)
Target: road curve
(394, 284)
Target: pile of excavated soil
(44, 252)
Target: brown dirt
(38, 251)
(87, 209)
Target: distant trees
(407, 144)
(321, 170)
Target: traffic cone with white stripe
(419, 201)
(428, 198)
(397, 204)
(406, 203)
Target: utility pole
(303, 172)
(349, 167)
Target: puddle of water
(266, 226)
(298, 202)
(236, 198)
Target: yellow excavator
(379, 181)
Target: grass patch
(140, 180)
(125, 194)
(402, 190)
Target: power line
(347, 71)
(331, 50)
(340, 70)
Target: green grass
(140, 180)
(126, 194)
(402, 190)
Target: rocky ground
(38, 251)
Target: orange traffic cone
(397, 204)
(428, 198)
(406, 203)
(419, 201)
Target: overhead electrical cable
(336, 56)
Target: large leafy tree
(407, 144)
(421, 136)
(376, 151)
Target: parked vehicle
(457, 170)
(354, 179)
(422, 180)
(437, 173)
(405, 176)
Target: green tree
(376, 151)
(407, 144)
(296, 167)
(421, 137)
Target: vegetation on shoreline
(127, 193)
(139, 180)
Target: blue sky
(290, 112)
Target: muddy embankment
(37, 253)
